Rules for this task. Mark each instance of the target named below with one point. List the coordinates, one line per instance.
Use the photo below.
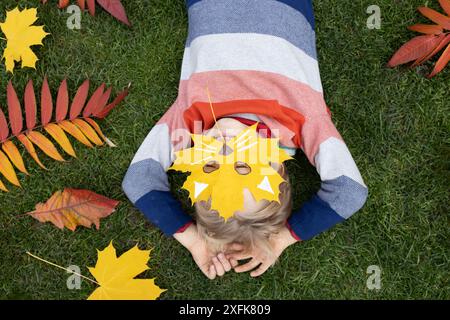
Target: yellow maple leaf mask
(20, 35)
(222, 170)
(116, 276)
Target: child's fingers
(233, 262)
(248, 266)
(219, 268)
(225, 263)
(211, 273)
(261, 269)
(238, 256)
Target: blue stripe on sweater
(314, 217)
(164, 211)
(303, 6)
(252, 16)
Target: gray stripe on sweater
(344, 195)
(142, 177)
(252, 16)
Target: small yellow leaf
(116, 276)
(88, 131)
(7, 170)
(45, 145)
(58, 134)
(21, 35)
(14, 155)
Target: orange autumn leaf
(72, 207)
(75, 119)
(422, 48)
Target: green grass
(395, 122)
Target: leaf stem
(60, 267)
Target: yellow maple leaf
(20, 36)
(225, 185)
(115, 276)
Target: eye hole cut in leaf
(113, 7)
(21, 34)
(115, 276)
(435, 37)
(75, 119)
(72, 207)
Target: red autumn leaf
(445, 4)
(30, 105)
(445, 41)
(4, 130)
(435, 16)
(116, 9)
(14, 109)
(46, 103)
(104, 112)
(72, 207)
(79, 100)
(427, 28)
(62, 101)
(113, 7)
(441, 63)
(414, 49)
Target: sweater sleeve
(342, 191)
(146, 183)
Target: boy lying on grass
(258, 60)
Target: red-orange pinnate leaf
(91, 6)
(46, 103)
(104, 112)
(30, 105)
(82, 4)
(427, 28)
(445, 41)
(441, 63)
(72, 207)
(79, 100)
(116, 9)
(435, 16)
(445, 4)
(4, 130)
(62, 3)
(93, 101)
(414, 49)
(62, 101)
(14, 109)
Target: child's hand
(210, 264)
(258, 256)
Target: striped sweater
(258, 58)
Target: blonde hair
(249, 228)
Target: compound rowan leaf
(116, 276)
(73, 207)
(71, 120)
(422, 48)
(21, 35)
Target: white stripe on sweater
(334, 160)
(156, 146)
(250, 51)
